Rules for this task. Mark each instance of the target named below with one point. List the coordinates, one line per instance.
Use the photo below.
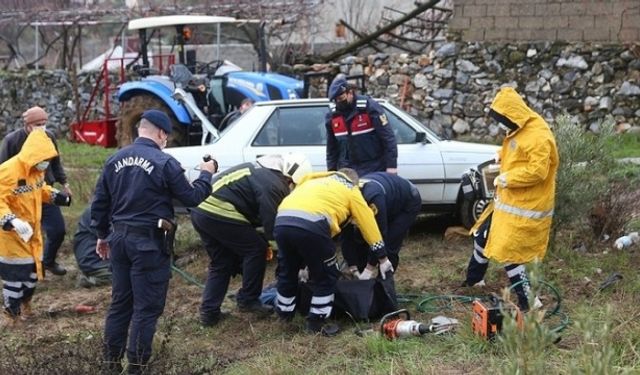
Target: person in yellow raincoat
(22, 192)
(514, 229)
(306, 222)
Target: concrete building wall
(605, 21)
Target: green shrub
(583, 155)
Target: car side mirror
(421, 137)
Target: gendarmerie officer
(135, 190)
(358, 133)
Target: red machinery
(102, 131)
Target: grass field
(602, 338)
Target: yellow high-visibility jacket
(318, 194)
(22, 192)
(524, 200)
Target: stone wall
(51, 90)
(449, 90)
(547, 20)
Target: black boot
(256, 307)
(112, 367)
(316, 325)
(56, 269)
(211, 320)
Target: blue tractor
(197, 96)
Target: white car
(434, 165)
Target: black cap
(159, 119)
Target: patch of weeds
(29, 354)
(595, 353)
(627, 145)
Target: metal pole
(143, 47)
(37, 44)
(218, 42)
(263, 47)
(122, 43)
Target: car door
(419, 162)
(298, 128)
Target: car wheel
(130, 113)
(470, 211)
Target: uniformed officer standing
(307, 221)
(135, 191)
(243, 197)
(396, 202)
(358, 133)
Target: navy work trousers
(53, 227)
(298, 248)
(141, 273)
(232, 248)
(478, 264)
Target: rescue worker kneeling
(307, 221)
(243, 197)
(395, 202)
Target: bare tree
(283, 20)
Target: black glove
(62, 199)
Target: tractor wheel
(130, 113)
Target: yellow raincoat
(337, 202)
(524, 200)
(22, 192)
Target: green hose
(427, 304)
(187, 276)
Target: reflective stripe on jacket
(331, 196)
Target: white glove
(366, 274)
(385, 267)
(303, 275)
(354, 272)
(501, 181)
(496, 157)
(23, 229)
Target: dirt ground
(429, 265)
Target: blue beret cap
(338, 86)
(159, 119)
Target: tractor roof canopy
(161, 21)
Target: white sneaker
(479, 284)
(537, 304)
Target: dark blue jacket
(391, 195)
(84, 246)
(137, 186)
(360, 138)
